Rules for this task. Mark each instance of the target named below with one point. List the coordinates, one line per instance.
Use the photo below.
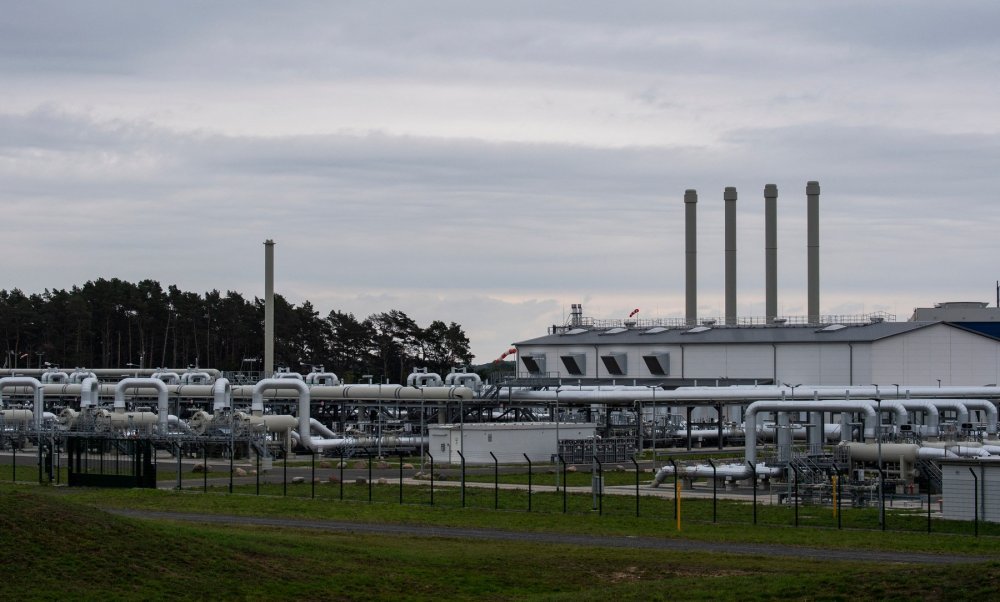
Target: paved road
(647, 543)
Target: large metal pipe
(268, 308)
(222, 395)
(991, 413)
(691, 256)
(770, 252)
(35, 387)
(301, 389)
(824, 405)
(144, 383)
(812, 248)
(729, 196)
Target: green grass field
(59, 544)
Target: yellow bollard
(677, 495)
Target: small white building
(959, 494)
(508, 441)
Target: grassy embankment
(57, 545)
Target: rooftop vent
(832, 328)
(656, 330)
(535, 364)
(615, 363)
(708, 322)
(658, 363)
(617, 330)
(780, 321)
(698, 329)
(575, 363)
(575, 331)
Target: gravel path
(610, 541)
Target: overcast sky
(493, 163)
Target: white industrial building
(912, 353)
(507, 441)
(970, 488)
(954, 343)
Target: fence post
(369, 476)
(342, 457)
(636, 486)
(928, 505)
(428, 452)
(753, 471)
(496, 482)
(715, 491)
(462, 456)
(975, 500)
(563, 462)
(674, 464)
(284, 473)
(600, 486)
(881, 496)
(258, 469)
(232, 452)
(204, 469)
(795, 474)
(400, 478)
(529, 480)
(312, 477)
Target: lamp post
(878, 441)
(557, 419)
(654, 388)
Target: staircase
(932, 472)
(812, 468)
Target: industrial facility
(866, 405)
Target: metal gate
(111, 462)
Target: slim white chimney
(812, 248)
(268, 308)
(691, 250)
(729, 195)
(771, 252)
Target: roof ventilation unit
(658, 363)
(575, 363)
(615, 363)
(535, 364)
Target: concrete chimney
(771, 252)
(268, 308)
(812, 247)
(729, 195)
(691, 256)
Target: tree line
(113, 323)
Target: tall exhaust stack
(691, 256)
(268, 308)
(812, 243)
(729, 195)
(771, 252)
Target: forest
(113, 323)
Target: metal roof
(717, 334)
